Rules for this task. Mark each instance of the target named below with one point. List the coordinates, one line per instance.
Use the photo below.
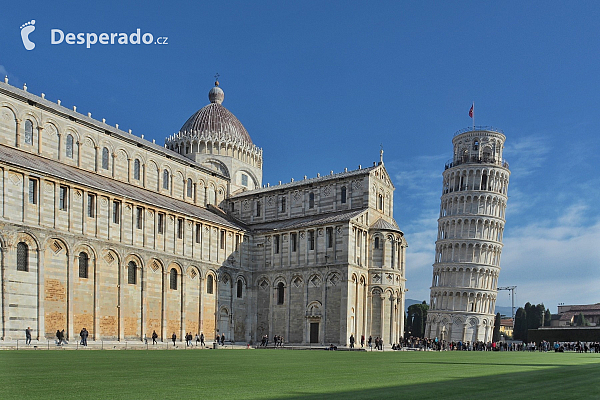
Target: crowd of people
(277, 341)
(544, 346)
(411, 342)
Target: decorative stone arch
(250, 175)
(30, 239)
(108, 144)
(263, 282)
(28, 114)
(363, 279)
(193, 272)
(315, 279)
(225, 279)
(155, 265)
(10, 107)
(313, 309)
(376, 290)
(334, 278)
(278, 279)
(216, 165)
(240, 277)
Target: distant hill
(410, 302)
(502, 310)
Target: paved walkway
(139, 345)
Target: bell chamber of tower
(469, 241)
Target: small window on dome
(244, 180)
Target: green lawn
(279, 374)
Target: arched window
(376, 242)
(136, 169)
(132, 273)
(311, 200)
(105, 158)
(280, 293)
(69, 146)
(209, 284)
(476, 144)
(173, 279)
(83, 265)
(283, 204)
(240, 286)
(22, 257)
(165, 179)
(28, 132)
(343, 195)
(380, 202)
(190, 188)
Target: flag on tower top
(472, 110)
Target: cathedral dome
(215, 121)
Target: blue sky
(320, 85)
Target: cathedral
(105, 230)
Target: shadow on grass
(557, 382)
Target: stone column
(382, 330)
(129, 169)
(163, 318)
(40, 129)
(182, 308)
(79, 144)
(143, 295)
(96, 158)
(393, 310)
(96, 275)
(18, 139)
(40, 295)
(70, 297)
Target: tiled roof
(103, 127)
(383, 225)
(289, 185)
(94, 181)
(304, 222)
(585, 307)
(568, 316)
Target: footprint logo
(26, 29)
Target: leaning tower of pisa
(469, 241)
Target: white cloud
(554, 260)
(526, 154)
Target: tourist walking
(197, 339)
(202, 339)
(362, 341)
(154, 336)
(222, 339)
(28, 335)
(174, 338)
(352, 340)
(371, 342)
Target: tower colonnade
(469, 242)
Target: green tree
(416, 320)
(547, 318)
(496, 334)
(520, 330)
(581, 321)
